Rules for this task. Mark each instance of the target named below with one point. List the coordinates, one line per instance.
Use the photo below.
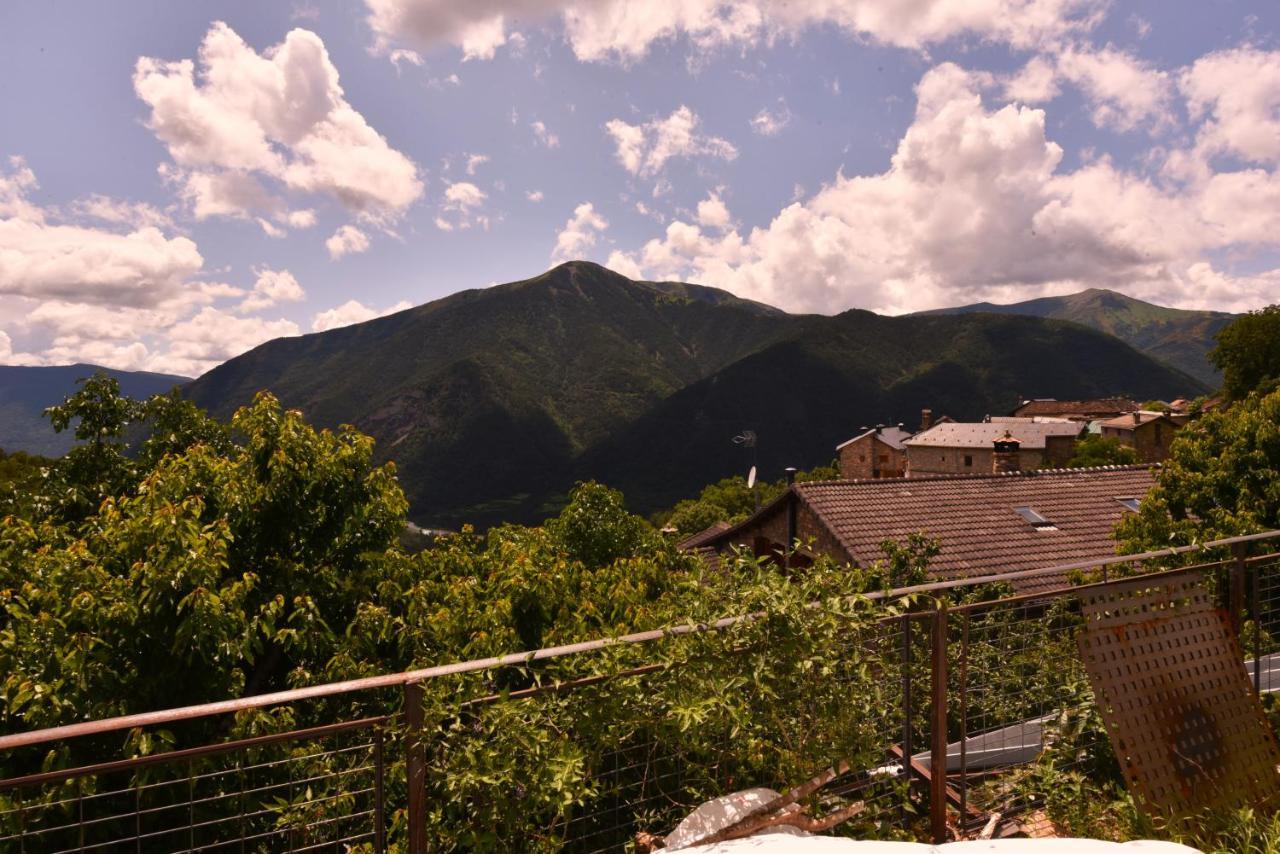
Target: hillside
(804, 395)
(1178, 337)
(25, 392)
(492, 402)
(485, 398)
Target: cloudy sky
(182, 181)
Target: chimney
(1005, 459)
(926, 419)
(1137, 418)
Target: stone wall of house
(863, 458)
(1058, 450)
(768, 534)
(925, 461)
(1152, 440)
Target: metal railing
(360, 781)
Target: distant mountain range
(493, 402)
(1175, 336)
(25, 392)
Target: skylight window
(1034, 519)
(1130, 503)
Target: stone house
(969, 447)
(875, 453)
(984, 523)
(1149, 433)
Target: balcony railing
(604, 748)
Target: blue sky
(179, 182)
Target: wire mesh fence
(922, 714)
(315, 789)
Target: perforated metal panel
(1170, 683)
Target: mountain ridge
(25, 392)
(1179, 337)
(493, 401)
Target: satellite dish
(751, 478)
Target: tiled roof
(982, 434)
(1097, 406)
(891, 436)
(973, 519)
(703, 537)
(1127, 422)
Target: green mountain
(492, 402)
(1175, 336)
(805, 394)
(485, 398)
(25, 392)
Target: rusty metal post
(1235, 591)
(416, 768)
(938, 729)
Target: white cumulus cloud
(973, 207)
(1237, 93)
(271, 288)
(213, 336)
(243, 127)
(771, 122)
(544, 136)
(351, 311)
(579, 233)
(347, 240)
(644, 149)
(626, 30)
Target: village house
(1075, 410)
(969, 447)
(875, 453)
(1149, 433)
(984, 523)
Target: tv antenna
(747, 439)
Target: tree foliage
(225, 569)
(1096, 450)
(1221, 478)
(1248, 353)
(729, 500)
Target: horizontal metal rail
(193, 752)
(390, 680)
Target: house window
(862, 458)
(1129, 503)
(884, 458)
(968, 461)
(1034, 519)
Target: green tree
(1094, 450)
(729, 500)
(99, 417)
(230, 570)
(1248, 353)
(1222, 478)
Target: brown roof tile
(1097, 407)
(706, 535)
(973, 518)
